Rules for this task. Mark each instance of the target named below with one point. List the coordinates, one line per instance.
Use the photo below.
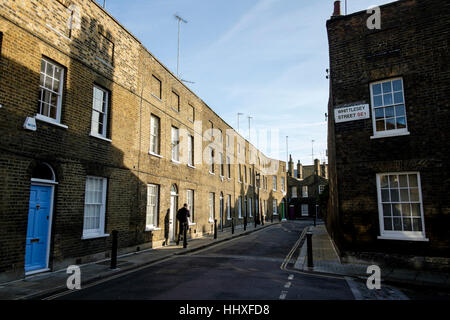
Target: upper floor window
(228, 168)
(274, 183)
(294, 192)
(51, 90)
(321, 188)
(175, 144)
(99, 112)
(154, 134)
(156, 87)
(175, 101)
(305, 191)
(191, 113)
(282, 184)
(191, 150)
(211, 159)
(388, 108)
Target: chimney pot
(337, 8)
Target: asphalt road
(246, 268)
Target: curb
(44, 294)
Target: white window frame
(294, 192)
(105, 104)
(190, 201)
(59, 93)
(394, 132)
(228, 207)
(321, 188)
(191, 150)
(222, 169)
(100, 231)
(283, 180)
(305, 192)
(155, 127)
(176, 96)
(211, 159)
(275, 207)
(152, 224)
(228, 167)
(250, 213)
(400, 235)
(175, 142)
(303, 206)
(240, 207)
(212, 213)
(274, 181)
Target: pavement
(326, 261)
(42, 285)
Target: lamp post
(258, 178)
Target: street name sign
(351, 113)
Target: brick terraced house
(389, 134)
(97, 135)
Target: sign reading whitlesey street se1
(350, 113)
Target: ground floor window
(152, 206)
(211, 206)
(305, 211)
(240, 207)
(400, 206)
(190, 203)
(94, 206)
(275, 211)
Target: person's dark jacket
(183, 214)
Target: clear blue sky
(263, 58)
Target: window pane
(385, 195)
(412, 180)
(407, 224)
(400, 110)
(376, 88)
(397, 224)
(404, 195)
(387, 223)
(415, 209)
(394, 195)
(384, 182)
(380, 125)
(398, 97)
(393, 181)
(397, 84)
(396, 210)
(387, 87)
(401, 123)
(389, 112)
(403, 181)
(377, 101)
(417, 224)
(387, 99)
(406, 210)
(387, 210)
(390, 124)
(414, 194)
(379, 113)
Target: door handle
(34, 240)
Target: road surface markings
(288, 285)
(291, 276)
(283, 295)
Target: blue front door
(38, 228)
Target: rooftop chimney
(317, 167)
(299, 170)
(337, 8)
(290, 167)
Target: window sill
(50, 121)
(100, 137)
(211, 221)
(94, 236)
(152, 228)
(175, 110)
(212, 173)
(175, 161)
(191, 166)
(192, 223)
(390, 134)
(155, 154)
(402, 238)
(157, 98)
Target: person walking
(182, 216)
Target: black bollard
(114, 249)
(185, 235)
(279, 217)
(232, 225)
(309, 248)
(271, 218)
(245, 223)
(256, 221)
(262, 219)
(215, 228)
